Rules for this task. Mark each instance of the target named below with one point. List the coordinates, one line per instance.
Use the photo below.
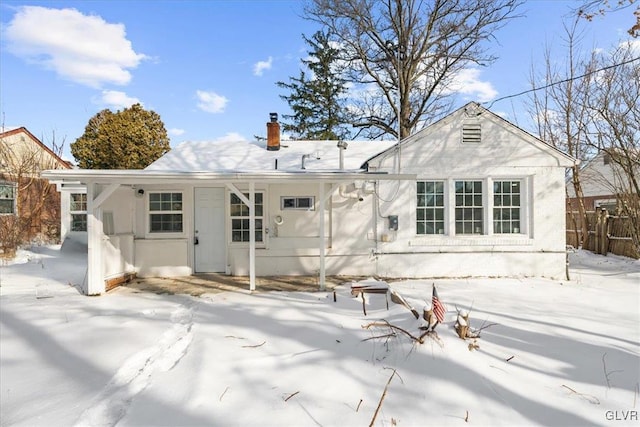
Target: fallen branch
(389, 335)
(254, 346)
(588, 397)
(393, 327)
(358, 407)
(223, 393)
(509, 358)
(483, 327)
(291, 395)
(607, 373)
(384, 393)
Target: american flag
(436, 306)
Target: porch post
(252, 236)
(95, 279)
(322, 245)
(95, 271)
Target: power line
(559, 82)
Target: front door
(209, 230)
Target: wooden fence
(607, 233)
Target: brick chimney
(273, 133)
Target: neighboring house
(471, 195)
(29, 205)
(600, 183)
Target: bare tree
(592, 8)
(402, 55)
(561, 111)
(614, 102)
(37, 215)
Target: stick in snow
(384, 393)
(291, 395)
(254, 346)
(223, 393)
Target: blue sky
(210, 68)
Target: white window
(7, 198)
(165, 212)
(430, 207)
(472, 207)
(469, 207)
(301, 203)
(239, 213)
(78, 211)
(506, 207)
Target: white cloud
(260, 66)
(231, 137)
(468, 82)
(81, 48)
(211, 102)
(118, 99)
(175, 132)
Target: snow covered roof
(252, 156)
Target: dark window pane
(6, 206)
(78, 222)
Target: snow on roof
(252, 156)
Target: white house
(601, 180)
(471, 195)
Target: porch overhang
(133, 177)
(112, 179)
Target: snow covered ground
(558, 353)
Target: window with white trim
(469, 210)
(506, 207)
(430, 207)
(165, 212)
(78, 211)
(297, 202)
(239, 213)
(7, 198)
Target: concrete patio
(199, 284)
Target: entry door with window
(209, 239)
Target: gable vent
(471, 133)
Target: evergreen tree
(316, 97)
(129, 139)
